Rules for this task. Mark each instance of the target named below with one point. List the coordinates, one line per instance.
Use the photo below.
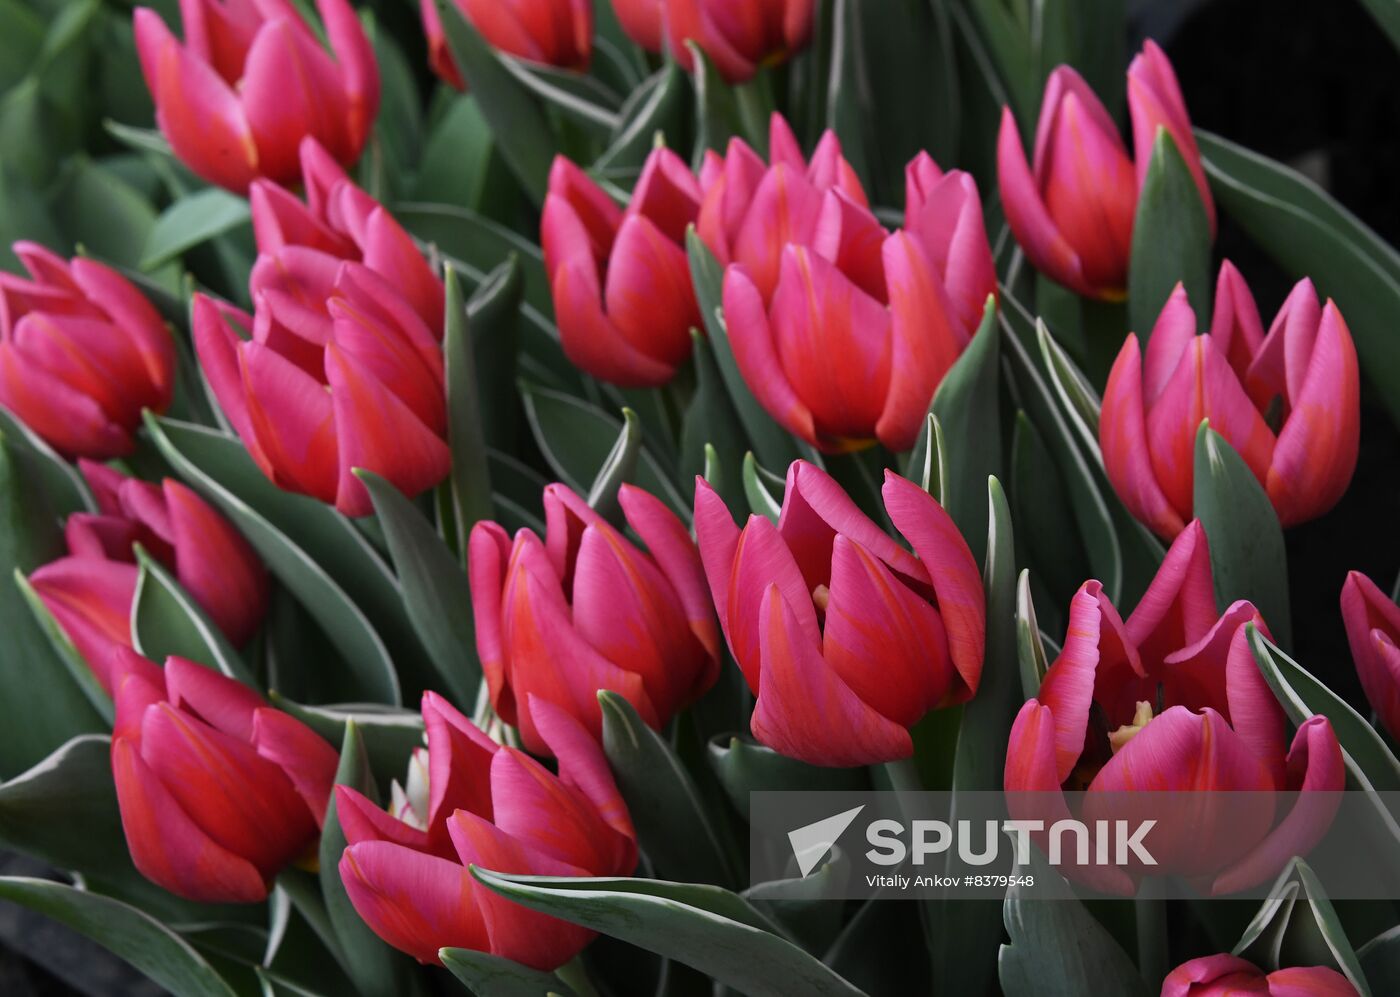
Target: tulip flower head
(218, 791)
(552, 32)
(1171, 701)
(1373, 631)
(179, 529)
(585, 610)
(90, 600)
(1288, 402)
(251, 80)
(621, 280)
(469, 801)
(1225, 975)
(81, 354)
(643, 21)
(737, 38)
(1072, 208)
(845, 638)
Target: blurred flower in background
(553, 32)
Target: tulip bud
(621, 280)
(1171, 701)
(340, 373)
(90, 599)
(1224, 975)
(809, 604)
(179, 529)
(250, 81)
(644, 21)
(1288, 402)
(81, 354)
(1373, 631)
(587, 610)
(1072, 209)
(471, 801)
(738, 39)
(552, 32)
(218, 791)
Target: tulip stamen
(1142, 716)
(821, 598)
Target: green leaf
(666, 806)
(480, 243)
(707, 928)
(928, 461)
(1171, 239)
(223, 472)
(63, 811)
(457, 159)
(389, 735)
(619, 466)
(191, 221)
(435, 588)
(657, 108)
(66, 651)
(585, 100)
(968, 412)
(717, 117)
(1309, 234)
(123, 930)
(1030, 649)
(63, 489)
(489, 975)
(710, 421)
(744, 767)
(1041, 505)
(1387, 15)
(471, 473)
(517, 121)
(166, 620)
(493, 313)
(1380, 961)
(1247, 555)
(759, 487)
(110, 218)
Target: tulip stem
(1150, 906)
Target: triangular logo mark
(811, 842)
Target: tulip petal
(947, 220)
(302, 754)
(358, 70)
(583, 766)
(280, 220)
(223, 703)
(390, 252)
(666, 194)
(1235, 325)
(1155, 101)
(762, 559)
(1253, 710)
(1123, 442)
(488, 551)
(1174, 330)
(459, 757)
(292, 420)
(591, 340)
(1048, 250)
(1178, 607)
(717, 539)
(751, 338)
(91, 601)
(1373, 626)
(216, 565)
(782, 212)
(136, 317)
(1228, 972)
(363, 820)
(649, 295)
(70, 421)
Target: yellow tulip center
(1142, 716)
(821, 596)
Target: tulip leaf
(166, 620)
(704, 927)
(489, 975)
(517, 120)
(458, 160)
(774, 446)
(1057, 948)
(326, 554)
(64, 490)
(586, 99)
(666, 807)
(803, 905)
(480, 243)
(717, 117)
(1387, 15)
(1296, 925)
(191, 221)
(389, 735)
(744, 767)
(576, 438)
(710, 425)
(471, 473)
(928, 461)
(1247, 555)
(1380, 961)
(658, 107)
(518, 490)
(63, 811)
(435, 589)
(760, 485)
(619, 466)
(1030, 649)
(493, 314)
(1309, 234)
(1081, 402)
(102, 211)
(1041, 505)
(66, 652)
(968, 411)
(1171, 239)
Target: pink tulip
(469, 801)
(81, 354)
(644, 21)
(1227, 975)
(846, 638)
(179, 529)
(1373, 631)
(621, 281)
(552, 32)
(1288, 402)
(586, 610)
(251, 80)
(90, 599)
(1072, 208)
(737, 37)
(218, 791)
(1171, 701)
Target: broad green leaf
(493, 313)
(1040, 503)
(166, 620)
(103, 213)
(1171, 239)
(704, 927)
(1380, 961)
(466, 236)
(803, 906)
(874, 950)
(64, 490)
(673, 827)
(717, 118)
(617, 468)
(1247, 556)
(389, 735)
(657, 108)
(586, 101)
(845, 114)
(489, 975)
(1030, 649)
(66, 651)
(710, 423)
(123, 930)
(744, 767)
(435, 589)
(471, 473)
(63, 811)
(190, 221)
(1309, 234)
(1081, 402)
(457, 157)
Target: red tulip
(644, 21)
(178, 528)
(90, 599)
(1072, 209)
(1226, 975)
(1288, 402)
(846, 638)
(621, 281)
(339, 219)
(218, 791)
(553, 32)
(81, 353)
(1373, 630)
(587, 610)
(1171, 701)
(738, 36)
(470, 801)
(863, 324)
(340, 373)
(251, 80)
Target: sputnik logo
(811, 842)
